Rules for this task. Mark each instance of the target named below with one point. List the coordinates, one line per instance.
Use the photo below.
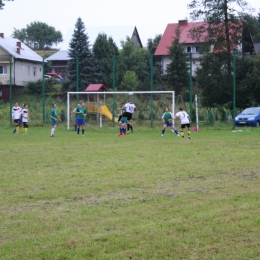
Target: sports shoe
(124, 135)
(162, 135)
(52, 135)
(120, 134)
(178, 135)
(189, 137)
(128, 133)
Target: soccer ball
(130, 93)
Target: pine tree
(178, 70)
(79, 47)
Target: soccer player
(121, 112)
(130, 108)
(81, 112)
(74, 112)
(168, 120)
(25, 119)
(122, 129)
(16, 115)
(185, 121)
(54, 117)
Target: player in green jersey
(167, 119)
(81, 113)
(54, 118)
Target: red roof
(95, 88)
(169, 34)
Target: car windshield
(251, 111)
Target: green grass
(142, 197)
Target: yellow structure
(107, 113)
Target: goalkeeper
(167, 119)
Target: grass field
(140, 197)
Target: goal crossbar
(115, 92)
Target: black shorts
(16, 121)
(183, 125)
(25, 124)
(128, 115)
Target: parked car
(46, 77)
(249, 117)
(56, 76)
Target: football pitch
(142, 196)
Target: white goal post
(112, 93)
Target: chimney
(18, 44)
(18, 50)
(2, 35)
(183, 22)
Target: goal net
(102, 106)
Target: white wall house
(26, 65)
(191, 46)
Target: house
(24, 64)
(59, 60)
(191, 45)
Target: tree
(136, 59)
(2, 3)
(38, 35)
(213, 80)
(79, 48)
(152, 45)
(103, 49)
(222, 27)
(177, 71)
(130, 81)
(248, 81)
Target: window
(34, 71)
(3, 69)
(192, 49)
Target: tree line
(230, 20)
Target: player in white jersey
(129, 108)
(185, 121)
(16, 115)
(25, 119)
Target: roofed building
(191, 45)
(25, 65)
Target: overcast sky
(150, 17)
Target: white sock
(52, 131)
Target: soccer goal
(104, 104)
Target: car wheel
(257, 124)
